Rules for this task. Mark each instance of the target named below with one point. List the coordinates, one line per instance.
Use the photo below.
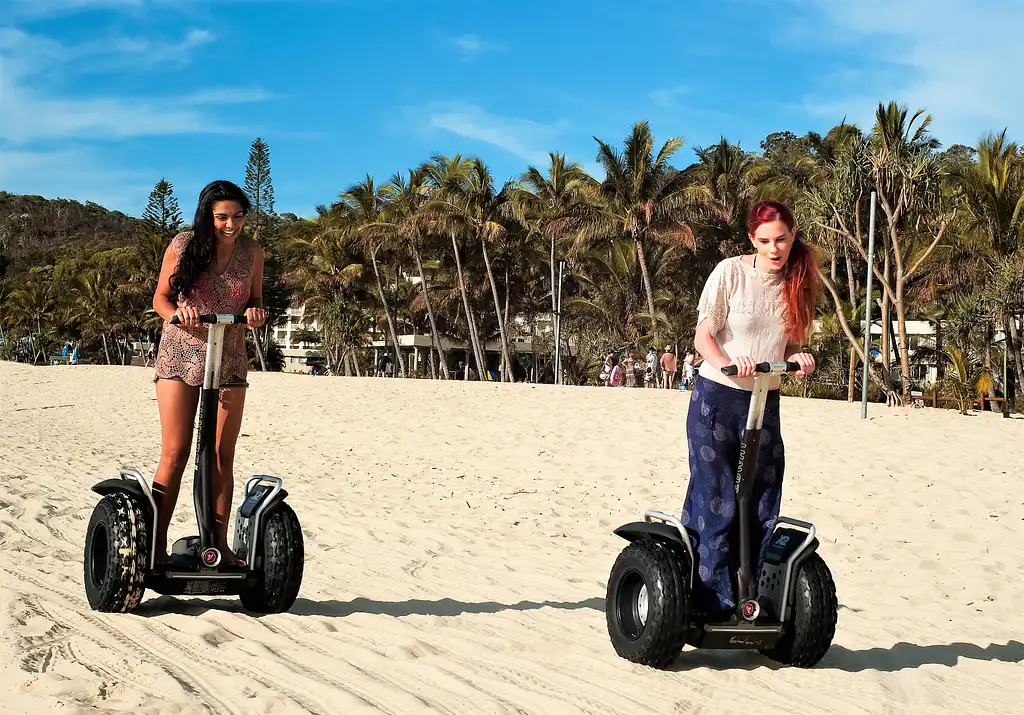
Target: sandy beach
(458, 540)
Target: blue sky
(99, 99)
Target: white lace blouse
(746, 313)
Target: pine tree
(162, 211)
(258, 187)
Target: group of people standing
(656, 370)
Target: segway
(789, 614)
(120, 548)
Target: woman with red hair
(754, 308)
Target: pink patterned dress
(182, 353)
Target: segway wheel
(809, 630)
(646, 601)
(116, 554)
(282, 556)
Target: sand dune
(458, 540)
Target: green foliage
(259, 187)
(637, 247)
(162, 211)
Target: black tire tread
(664, 633)
(283, 561)
(812, 625)
(127, 554)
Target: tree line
(443, 249)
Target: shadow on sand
(901, 656)
(340, 609)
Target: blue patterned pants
(715, 424)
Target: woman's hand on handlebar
(188, 316)
(256, 317)
(805, 361)
(745, 366)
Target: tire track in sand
(189, 678)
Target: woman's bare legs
(229, 423)
(177, 404)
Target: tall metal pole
(1006, 376)
(867, 312)
(558, 327)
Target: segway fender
(651, 529)
(135, 487)
(665, 534)
(113, 486)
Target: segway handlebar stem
(746, 473)
(202, 493)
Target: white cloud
(33, 109)
(525, 138)
(26, 54)
(959, 59)
(469, 47)
(51, 123)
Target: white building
(416, 349)
(295, 353)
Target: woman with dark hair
(754, 308)
(214, 268)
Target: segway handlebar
(775, 367)
(225, 318)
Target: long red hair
(802, 282)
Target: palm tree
(992, 193)
(94, 307)
(614, 303)
(907, 178)
(546, 203)
(329, 280)
(31, 307)
(474, 208)
(362, 207)
(641, 199)
(723, 184)
(407, 197)
(448, 178)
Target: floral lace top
(182, 352)
(747, 313)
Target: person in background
(668, 367)
(615, 376)
(629, 371)
(651, 374)
(606, 371)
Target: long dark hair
(199, 251)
